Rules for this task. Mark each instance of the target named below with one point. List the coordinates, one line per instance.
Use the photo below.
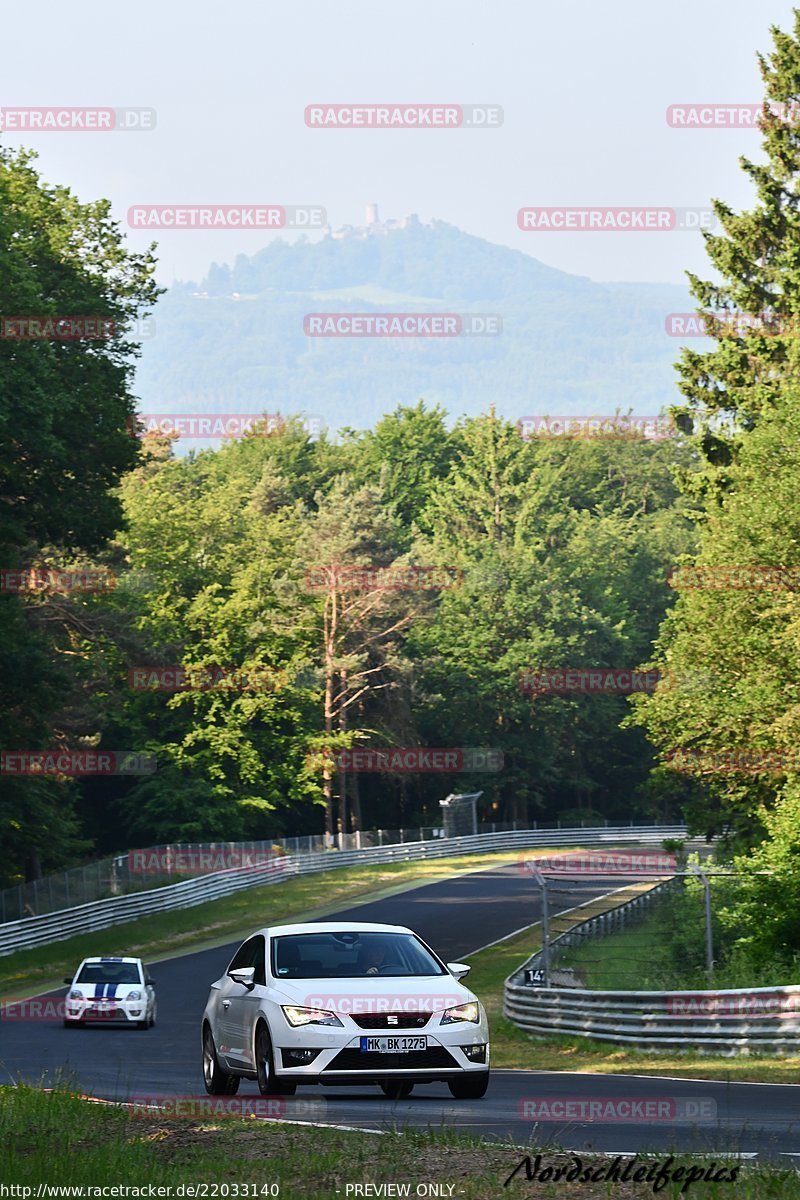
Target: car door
(240, 1005)
(149, 990)
(229, 1047)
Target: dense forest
(397, 587)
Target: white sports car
(343, 1003)
(110, 989)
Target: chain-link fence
(139, 870)
(671, 931)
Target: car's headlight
(75, 995)
(309, 1016)
(134, 996)
(462, 1012)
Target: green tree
(728, 389)
(352, 537)
(215, 537)
(729, 646)
(64, 405)
(407, 454)
(555, 569)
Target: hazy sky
(584, 88)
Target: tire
(72, 1022)
(469, 1087)
(397, 1089)
(143, 1024)
(268, 1083)
(217, 1081)
(153, 1017)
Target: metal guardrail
(729, 1021)
(121, 874)
(101, 914)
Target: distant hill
(236, 342)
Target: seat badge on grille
(391, 1019)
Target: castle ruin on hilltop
(374, 226)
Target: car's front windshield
(351, 954)
(109, 972)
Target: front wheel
(72, 1022)
(268, 1083)
(217, 1081)
(397, 1089)
(469, 1087)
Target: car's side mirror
(149, 981)
(67, 979)
(243, 975)
(459, 970)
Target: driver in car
(372, 957)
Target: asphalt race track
(456, 917)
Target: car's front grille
(357, 1060)
(398, 1021)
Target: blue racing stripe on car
(98, 991)
(112, 991)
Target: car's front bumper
(105, 1011)
(452, 1050)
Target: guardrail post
(542, 882)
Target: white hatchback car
(110, 989)
(343, 1003)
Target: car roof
(109, 959)
(343, 926)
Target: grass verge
(514, 1049)
(57, 1139)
